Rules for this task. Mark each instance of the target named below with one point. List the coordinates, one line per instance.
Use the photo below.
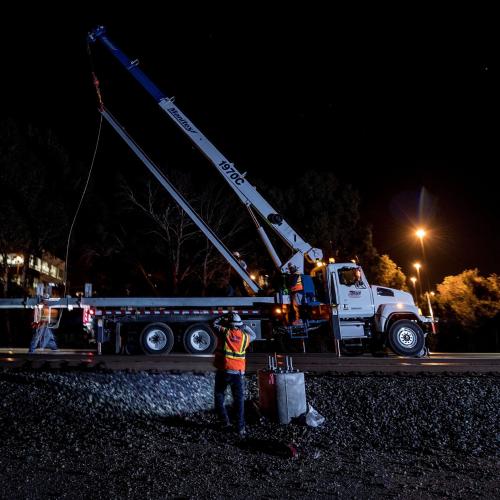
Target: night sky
(403, 105)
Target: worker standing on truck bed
(297, 292)
(236, 285)
(233, 339)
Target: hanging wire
(79, 205)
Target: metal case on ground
(282, 392)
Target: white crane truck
(338, 300)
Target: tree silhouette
(190, 261)
(34, 170)
(386, 272)
(468, 307)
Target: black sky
(403, 105)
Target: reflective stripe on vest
(296, 283)
(231, 348)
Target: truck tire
(199, 339)
(156, 338)
(406, 338)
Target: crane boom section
(247, 193)
(183, 203)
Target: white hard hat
(237, 254)
(235, 319)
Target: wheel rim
(407, 338)
(156, 339)
(199, 340)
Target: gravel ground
(149, 435)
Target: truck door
(354, 293)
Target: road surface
(317, 362)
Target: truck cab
(364, 313)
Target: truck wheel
(199, 339)
(406, 338)
(156, 338)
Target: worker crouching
(233, 339)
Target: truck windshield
(349, 276)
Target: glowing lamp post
(417, 266)
(420, 233)
(414, 281)
(431, 312)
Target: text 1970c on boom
(231, 172)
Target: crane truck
(338, 300)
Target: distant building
(46, 269)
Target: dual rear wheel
(158, 338)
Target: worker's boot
(224, 425)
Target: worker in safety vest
(296, 292)
(233, 339)
(43, 324)
(236, 285)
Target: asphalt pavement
(308, 362)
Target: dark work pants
(237, 383)
(43, 337)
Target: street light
(421, 233)
(417, 266)
(414, 280)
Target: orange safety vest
(297, 285)
(231, 347)
(45, 315)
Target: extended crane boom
(183, 203)
(336, 299)
(247, 193)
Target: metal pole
(334, 310)
(431, 312)
(336, 330)
(337, 348)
